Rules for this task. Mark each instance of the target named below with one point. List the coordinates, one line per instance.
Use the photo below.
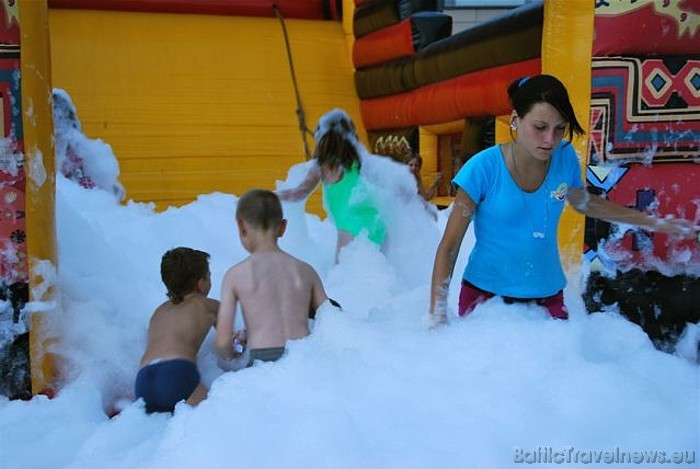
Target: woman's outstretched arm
(595, 206)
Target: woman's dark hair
(181, 268)
(336, 140)
(525, 92)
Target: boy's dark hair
(181, 268)
(260, 208)
(335, 145)
(525, 92)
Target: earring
(513, 126)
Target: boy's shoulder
(197, 303)
(239, 266)
(286, 262)
(211, 305)
(279, 259)
(298, 262)
(201, 306)
(162, 308)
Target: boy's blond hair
(260, 208)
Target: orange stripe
(383, 45)
(481, 93)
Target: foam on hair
(336, 140)
(338, 121)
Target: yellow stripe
(570, 60)
(39, 152)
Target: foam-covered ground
(372, 387)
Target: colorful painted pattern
(648, 112)
(644, 142)
(645, 110)
(13, 248)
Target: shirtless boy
(177, 329)
(276, 290)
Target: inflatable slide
(219, 95)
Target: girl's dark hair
(181, 268)
(260, 208)
(417, 157)
(525, 92)
(336, 145)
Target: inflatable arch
(218, 111)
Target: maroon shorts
(470, 296)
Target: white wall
(465, 18)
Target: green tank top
(352, 208)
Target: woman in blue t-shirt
(515, 193)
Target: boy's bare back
(178, 330)
(276, 292)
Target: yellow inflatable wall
(193, 104)
(570, 61)
(37, 125)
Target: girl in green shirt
(338, 167)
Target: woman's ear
(514, 120)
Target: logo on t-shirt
(560, 192)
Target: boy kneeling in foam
(275, 289)
(177, 329)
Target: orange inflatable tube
(474, 94)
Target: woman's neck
(529, 171)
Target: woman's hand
(438, 319)
(676, 226)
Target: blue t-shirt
(516, 252)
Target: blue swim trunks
(163, 384)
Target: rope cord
(301, 116)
